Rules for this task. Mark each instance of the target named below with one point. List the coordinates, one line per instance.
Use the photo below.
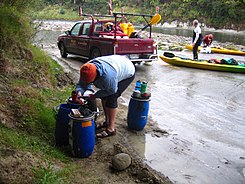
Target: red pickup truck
(94, 38)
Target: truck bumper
(146, 58)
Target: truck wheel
(95, 53)
(63, 52)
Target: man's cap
(88, 72)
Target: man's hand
(80, 100)
(79, 94)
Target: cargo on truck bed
(110, 35)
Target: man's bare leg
(112, 112)
(105, 111)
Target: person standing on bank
(196, 39)
(111, 75)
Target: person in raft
(196, 39)
(111, 75)
(207, 40)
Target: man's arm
(196, 38)
(81, 87)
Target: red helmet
(211, 36)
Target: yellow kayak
(170, 58)
(220, 50)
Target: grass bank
(31, 84)
(67, 12)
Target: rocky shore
(177, 43)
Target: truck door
(71, 41)
(83, 40)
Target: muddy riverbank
(99, 163)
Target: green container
(143, 87)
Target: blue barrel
(137, 113)
(82, 136)
(61, 126)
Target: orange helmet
(88, 72)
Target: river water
(223, 36)
(203, 111)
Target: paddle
(171, 55)
(154, 20)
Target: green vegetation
(22, 141)
(56, 12)
(12, 25)
(214, 13)
(28, 93)
(48, 175)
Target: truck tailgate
(134, 46)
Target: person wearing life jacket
(196, 39)
(207, 40)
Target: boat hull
(203, 64)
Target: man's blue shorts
(111, 101)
